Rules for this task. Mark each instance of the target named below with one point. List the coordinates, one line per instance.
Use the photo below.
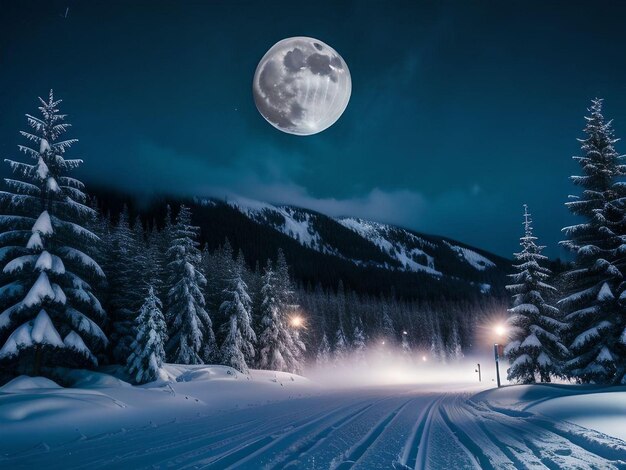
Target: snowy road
(392, 427)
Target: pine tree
(50, 314)
(124, 298)
(341, 347)
(340, 306)
(455, 351)
(237, 349)
(437, 349)
(387, 329)
(147, 353)
(275, 339)
(358, 342)
(594, 304)
(218, 268)
(534, 349)
(323, 353)
(288, 306)
(163, 242)
(154, 269)
(189, 325)
(406, 347)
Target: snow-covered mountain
(370, 244)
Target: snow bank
(35, 409)
(24, 382)
(600, 408)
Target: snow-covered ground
(38, 412)
(211, 416)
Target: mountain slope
(368, 257)
(368, 245)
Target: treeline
(344, 322)
(136, 260)
(215, 310)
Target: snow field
(214, 417)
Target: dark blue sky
(460, 111)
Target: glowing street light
(500, 330)
(424, 358)
(296, 321)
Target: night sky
(460, 112)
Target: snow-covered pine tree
(163, 242)
(323, 353)
(340, 351)
(274, 337)
(406, 347)
(386, 326)
(50, 314)
(455, 351)
(189, 326)
(340, 307)
(437, 348)
(254, 280)
(147, 353)
(358, 342)
(154, 270)
(147, 260)
(217, 268)
(124, 298)
(595, 300)
(288, 306)
(534, 347)
(237, 349)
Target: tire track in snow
(251, 450)
(418, 441)
(592, 441)
(174, 440)
(486, 452)
(517, 450)
(357, 451)
(557, 448)
(311, 443)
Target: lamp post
(498, 351)
(478, 370)
(497, 357)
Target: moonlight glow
(301, 86)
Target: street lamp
(296, 321)
(498, 349)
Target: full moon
(301, 86)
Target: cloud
(265, 175)
(188, 175)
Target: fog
(381, 368)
